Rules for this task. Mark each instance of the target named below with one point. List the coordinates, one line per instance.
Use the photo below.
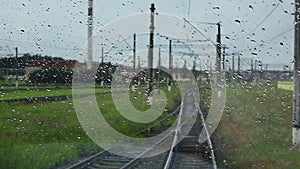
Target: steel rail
(210, 145)
(169, 159)
(86, 160)
(135, 159)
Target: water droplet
(238, 21)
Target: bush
(105, 73)
(51, 75)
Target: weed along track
(184, 151)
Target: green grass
(47, 135)
(41, 135)
(26, 87)
(21, 94)
(171, 121)
(139, 101)
(11, 83)
(205, 94)
(257, 127)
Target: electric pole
(170, 65)
(255, 66)
(150, 50)
(134, 50)
(194, 65)
(102, 57)
(200, 67)
(139, 63)
(296, 103)
(102, 67)
(223, 59)
(158, 67)
(261, 69)
(251, 69)
(239, 65)
(90, 34)
(232, 66)
(218, 61)
(17, 69)
(159, 58)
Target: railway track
(187, 154)
(189, 161)
(103, 159)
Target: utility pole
(261, 69)
(134, 50)
(139, 63)
(194, 69)
(102, 57)
(194, 65)
(17, 69)
(232, 66)
(251, 69)
(170, 65)
(224, 54)
(218, 61)
(200, 67)
(159, 58)
(90, 34)
(296, 103)
(255, 69)
(255, 65)
(239, 65)
(102, 67)
(158, 67)
(150, 50)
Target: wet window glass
(140, 84)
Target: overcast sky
(58, 27)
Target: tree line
(59, 75)
(19, 62)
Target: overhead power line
(260, 23)
(268, 41)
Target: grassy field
(285, 85)
(41, 135)
(47, 135)
(255, 131)
(22, 94)
(139, 101)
